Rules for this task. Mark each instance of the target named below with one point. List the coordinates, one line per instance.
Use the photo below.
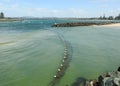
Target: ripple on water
(27, 60)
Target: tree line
(1, 15)
(101, 17)
(110, 17)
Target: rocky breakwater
(73, 24)
(108, 79)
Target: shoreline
(10, 19)
(74, 24)
(108, 79)
(70, 24)
(111, 25)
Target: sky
(59, 8)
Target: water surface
(30, 52)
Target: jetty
(73, 24)
(108, 79)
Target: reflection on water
(31, 58)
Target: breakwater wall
(108, 79)
(73, 24)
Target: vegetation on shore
(72, 24)
(1, 15)
(7, 19)
(10, 19)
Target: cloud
(15, 10)
(43, 12)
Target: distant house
(1, 15)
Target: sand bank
(10, 19)
(111, 25)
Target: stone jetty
(73, 24)
(108, 79)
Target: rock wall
(108, 79)
(73, 24)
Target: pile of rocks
(73, 24)
(108, 79)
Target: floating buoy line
(67, 56)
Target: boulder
(108, 79)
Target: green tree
(110, 18)
(117, 17)
(100, 17)
(1, 15)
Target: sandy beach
(10, 19)
(111, 25)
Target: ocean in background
(31, 51)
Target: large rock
(108, 79)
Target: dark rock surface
(108, 79)
(73, 24)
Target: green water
(95, 51)
(32, 58)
